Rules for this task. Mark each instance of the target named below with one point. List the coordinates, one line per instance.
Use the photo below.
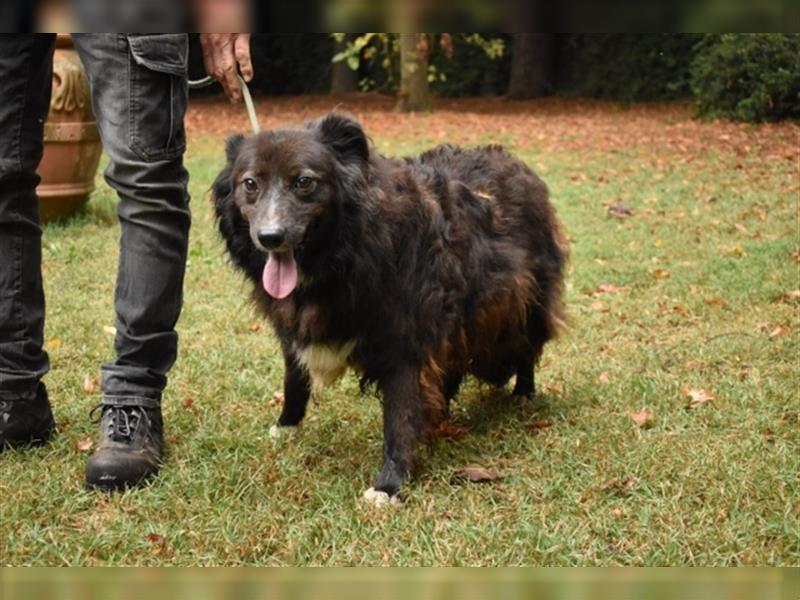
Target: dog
(416, 272)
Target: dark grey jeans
(139, 95)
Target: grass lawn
(667, 425)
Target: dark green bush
(748, 77)
(626, 67)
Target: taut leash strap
(248, 99)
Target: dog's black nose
(271, 238)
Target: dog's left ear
(232, 146)
(345, 136)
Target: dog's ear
(232, 147)
(223, 186)
(345, 136)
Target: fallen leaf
(449, 430)
(621, 486)
(716, 301)
(660, 274)
(474, 474)
(84, 445)
(599, 307)
(604, 377)
(255, 326)
(89, 385)
(619, 210)
(277, 399)
(790, 297)
(53, 344)
(768, 434)
(643, 418)
(160, 545)
(779, 331)
(609, 288)
(554, 389)
(698, 397)
(539, 425)
(187, 402)
(154, 538)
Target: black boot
(130, 448)
(26, 421)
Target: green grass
(712, 485)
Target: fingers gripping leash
(248, 99)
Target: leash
(248, 99)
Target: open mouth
(280, 274)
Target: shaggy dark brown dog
(414, 271)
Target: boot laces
(123, 421)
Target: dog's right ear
(345, 136)
(232, 147)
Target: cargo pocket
(158, 95)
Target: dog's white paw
(279, 433)
(380, 499)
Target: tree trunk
(415, 93)
(532, 65)
(343, 79)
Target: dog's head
(285, 185)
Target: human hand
(224, 56)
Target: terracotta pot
(72, 146)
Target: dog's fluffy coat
(414, 271)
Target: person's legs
(139, 94)
(26, 66)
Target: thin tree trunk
(343, 79)
(532, 65)
(415, 92)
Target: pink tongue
(280, 274)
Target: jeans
(139, 95)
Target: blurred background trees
(754, 77)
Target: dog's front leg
(402, 414)
(296, 391)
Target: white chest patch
(324, 363)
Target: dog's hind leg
(402, 425)
(296, 392)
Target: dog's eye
(250, 185)
(304, 183)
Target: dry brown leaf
(53, 344)
(790, 297)
(475, 474)
(620, 485)
(619, 210)
(277, 399)
(716, 301)
(187, 402)
(643, 418)
(255, 326)
(779, 331)
(160, 545)
(599, 307)
(84, 445)
(609, 288)
(554, 389)
(660, 273)
(450, 431)
(539, 425)
(89, 384)
(698, 397)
